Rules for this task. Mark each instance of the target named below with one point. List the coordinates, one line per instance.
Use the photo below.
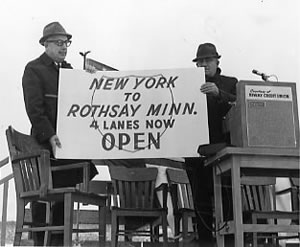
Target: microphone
(263, 75)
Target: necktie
(57, 65)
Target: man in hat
(40, 89)
(220, 91)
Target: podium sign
(265, 115)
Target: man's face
(56, 47)
(210, 65)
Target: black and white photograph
(138, 123)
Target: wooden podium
(264, 115)
(264, 128)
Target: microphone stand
(265, 77)
(84, 54)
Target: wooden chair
(183, 204)
(33, 182)
(259, 205)
(90, 216)
(293, 190)
(134, 196)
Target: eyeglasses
(60, 42)
(200, 61)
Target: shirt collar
(49, 61)
(214, 78)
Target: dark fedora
(52, 29)
(206, 50)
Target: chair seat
(139, 209)
(58, 195)
(138, 212)
(52, 191)
(273, 214)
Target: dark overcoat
(219, 106)
(40, 89)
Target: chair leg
(152, 237)
(68, 218)
(165, 230)
(47, 236)
(195, 228)
(184, 227)
(114, 229)
(254, 233)
(19, 222)
(176, 228)
(77, 223)
(102, 223)
(155, 233)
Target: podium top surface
(228, 151)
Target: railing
(5, 182)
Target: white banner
(131, 114)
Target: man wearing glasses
(40, 89)
(220, 91)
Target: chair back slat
(128, 197)
(24, 174)
(26, 170)
(258, 194)
(249, 197)
(181, 190)
(152, 195)
(20, 183)
(30, 175)
(182, 194)
(35, 174)
(255, 196)
(190, 197)
(133, 190)
(139, 200)
(147, 197)
(133, 186)
(295, 193)
(245, 202)
(262, 194)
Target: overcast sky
(152, 34)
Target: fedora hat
(206, 50)
(52, 29)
